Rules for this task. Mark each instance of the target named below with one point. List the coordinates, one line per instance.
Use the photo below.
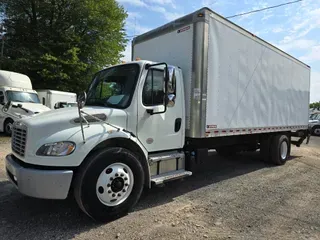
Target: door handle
(177, 124)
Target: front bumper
(38, 183)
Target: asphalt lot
(236, 198)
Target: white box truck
(205, 83)
(18, 99)
(57, 99)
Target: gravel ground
(236, 198)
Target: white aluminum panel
(174, 48)
(252, 84)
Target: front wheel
(109, 184)
(316, 131)
(8, 127)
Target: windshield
(114, 86)
(315, 116)
(16, 96)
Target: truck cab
(314, 123)
(20, 99)
(132, 113)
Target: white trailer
(205, 84)
(17, 98)
(57, 99)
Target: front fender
(94, 134)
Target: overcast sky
(294, 28)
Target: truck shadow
(214, 170)
(27, 218)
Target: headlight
(56, 149)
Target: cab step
(165, 156)
(170, 176)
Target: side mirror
(6, 106)
(171, 99)
(171, 79)
(81, 100)
(171, 87)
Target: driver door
(158, 131)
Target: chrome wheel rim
(115, 184)
(284, 150)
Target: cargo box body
(235, 83)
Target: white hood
(33, 107)
(49, 123)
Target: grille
(19, 138)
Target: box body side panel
(250, 85)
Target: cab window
(153, 93)
(1, 97)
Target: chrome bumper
(48, 184)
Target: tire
(316, 131)
(7, 127)
(104, 195)
(280, 149)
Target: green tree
(59, 44)
(315, 105)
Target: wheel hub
(114, 184)
(117, 184)
(284, 150)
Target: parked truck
(54, 99)
(18, 99)
(314, 123)
(205, 83)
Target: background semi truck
(205, 84)
(54, 99)
(16, 92)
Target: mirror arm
(156, 64)
(150, 111)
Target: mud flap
(302, 134)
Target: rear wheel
(280, 149)
(8, 126)
(109, 184)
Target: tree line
(315, 105)
(60, 44)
